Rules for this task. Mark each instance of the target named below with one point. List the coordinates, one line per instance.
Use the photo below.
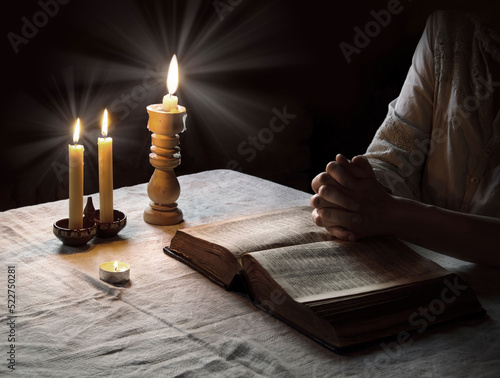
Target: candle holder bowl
(110, 229)
(75, 237)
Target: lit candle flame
(76, 135)
(173, 76)
(104, 130)
(116, 266)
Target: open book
(339, 293)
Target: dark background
(262, 55)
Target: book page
(333, 269)
(263, 231)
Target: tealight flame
(116, 266)
(104, 130)
(173, 76)
(76, 135)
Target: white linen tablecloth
(171, 321)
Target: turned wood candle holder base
(162, 215)
(163, 187)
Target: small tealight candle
(114, 272)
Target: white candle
(169, 100)
(76, 181)
(105, 152)
(169, 103)
(114, 272)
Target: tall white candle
(76, 181)
(105, 152)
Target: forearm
(465, 236)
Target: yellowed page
(331, 269)
(263, 231)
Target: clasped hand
(349, 201)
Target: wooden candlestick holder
(163, 187)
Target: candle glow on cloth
(114, 272)
(105, 152)
(170, 101)
(76, 181)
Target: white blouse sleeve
(397, 152)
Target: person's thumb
(363, 167)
